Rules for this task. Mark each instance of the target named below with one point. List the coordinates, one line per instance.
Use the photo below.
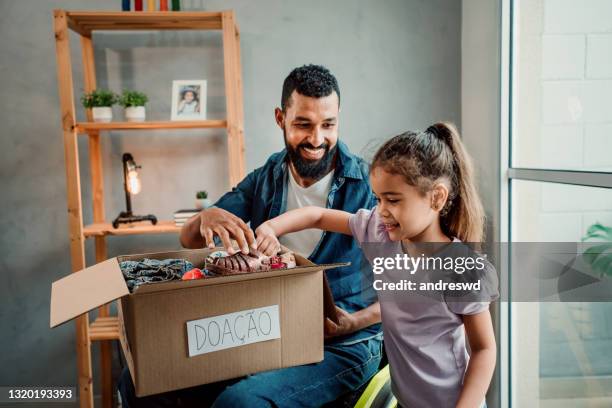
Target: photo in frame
(189, 99)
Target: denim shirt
(262, 195)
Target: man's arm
(227, 220)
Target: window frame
(509, 174)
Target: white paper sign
(233, 330)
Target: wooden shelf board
(104, 328)
(84, 22)
(83, 127)
(145, 227)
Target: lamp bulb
(134, 185)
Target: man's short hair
(309, 80)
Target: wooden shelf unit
(106, 327)
(103, 229)
(85, 127)
(84, 22)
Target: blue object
(147, 270)
(263, 195)
(125, 5)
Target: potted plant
(202, 200)
(599, 256)
(100, 102)
(134, 104)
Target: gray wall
(481, 125)
(398, 64)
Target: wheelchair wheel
(378, 392)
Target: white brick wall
(562, 227)
(599, 56)
(576, 114)
(578, 199)
(576, 85)
(598, 100)
(565, 116)
(577, 16)
(598, 147)
(562, 102)
(547, 212)
(568, 143)
(590, 218)
(563, 56)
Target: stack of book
(181, 216)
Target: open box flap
(220, 280)
(85, 290)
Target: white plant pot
(135, 114)
(202, 203)
(102, 114)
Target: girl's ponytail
(463, 214)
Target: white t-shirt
(305, 241)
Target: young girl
(426, 194)
(189, 104)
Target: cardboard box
(179, 334)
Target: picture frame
(189, 99)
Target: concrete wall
(480, 121)
(398, 64)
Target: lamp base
(127, 218)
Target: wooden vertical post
(239, 103)
(73, 190)
(97, 182)
(233, 97)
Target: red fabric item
(195, 273)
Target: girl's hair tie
(441, 134)
(434, 131)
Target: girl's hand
(267, 242)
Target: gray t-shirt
(424, 341)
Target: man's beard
(311, 169)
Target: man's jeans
(345, 368)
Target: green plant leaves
(133, 98)
(99, 98)
(104, 97)
(599, 256)
(598, 231)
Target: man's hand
(267, 242)
(351, 322)
(347, 324)
(217, 221)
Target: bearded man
(315, 168)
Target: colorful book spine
(150, 5)
(125, 5)
(138, 5)
(163, 5)
(176, 5)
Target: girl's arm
(328, 220)
(297, 220)
(479, 331)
